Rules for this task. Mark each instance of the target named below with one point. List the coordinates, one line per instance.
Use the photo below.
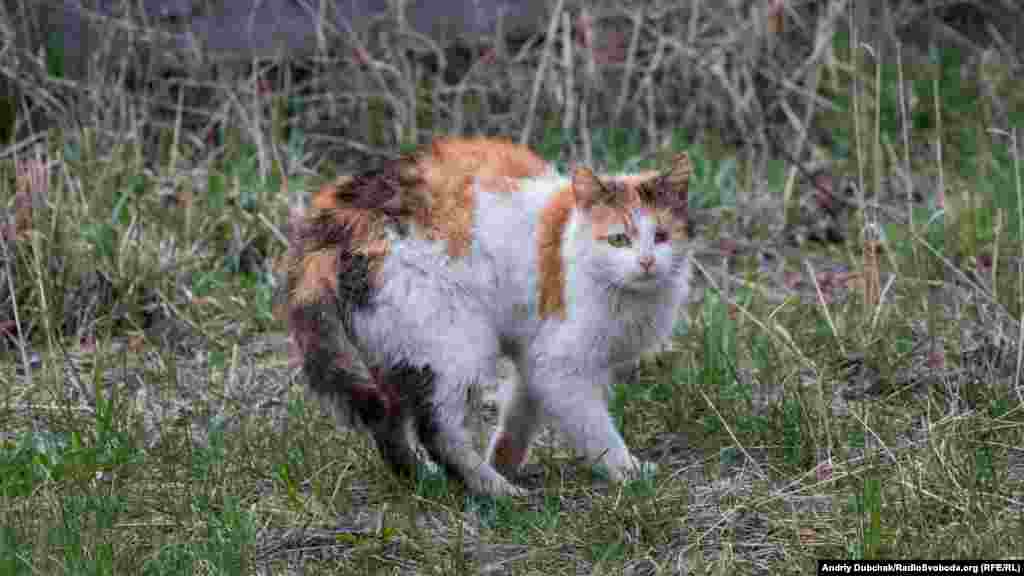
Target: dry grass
(855, 399)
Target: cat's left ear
(671, 187)
(588, 189)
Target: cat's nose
(647, 262)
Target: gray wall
(242, 29)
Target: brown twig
(524, 136)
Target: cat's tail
(357, 394)
(331, 268)
(331, 271)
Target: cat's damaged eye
(619, 240)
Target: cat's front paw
(509, 490)
(644, 468)
(497, 487)
(633, 469)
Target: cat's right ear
(674, 184)
(588, 189)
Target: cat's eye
(619, 240)
(660, 236)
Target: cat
(406, 283)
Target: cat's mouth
(644, 281)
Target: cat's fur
(407, 283)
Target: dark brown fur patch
(333, 259)
(337, 249)
(330, 370)
(670, 188)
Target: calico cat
(406, 283)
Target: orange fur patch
(551, 272)
(324, 239)
(326, 198)
(318, 273)
(604, 217)
(498, 184)
(446, 173)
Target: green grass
(974, 159)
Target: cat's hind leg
(440, 424)
(431, 359)
(432, 331)
(519, 419)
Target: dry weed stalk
(1019, 187)
(524, 136)
(872, 238)
(568, 65)
(676, 63)
(824, 306)
(1020, 270)
(775, 330)
(31, 191)
(637, 16)
(813, 65)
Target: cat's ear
(588, 189)
(671, 187)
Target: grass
(151, 422)
(750, 421)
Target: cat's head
(631, 231)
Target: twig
(30, 407)
(1020, 274)
(906, 137)
(878, 438)
(959, 273)
(779, 331)
(1020, 267)
(17, 147)
(634, 40)
(372, 66)
(855, 96)
(590, 84)
(588, 148)
(22, 346)
(524, 137)
(870, 228)
(569, 114)
(881, 300)
(273, 229)
(176, 138)
(652, 125)
(938, 143)
(824, 306)
(735, 440)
